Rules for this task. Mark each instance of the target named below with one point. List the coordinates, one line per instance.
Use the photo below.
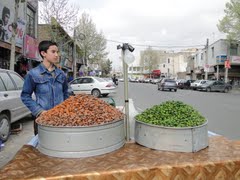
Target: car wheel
(208, 89)
(175, 90)
(226, 90)
(96, 93)
(4, 127)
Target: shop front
(30, 58)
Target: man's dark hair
(44, 46)
(5, 11)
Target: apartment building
(209, 62)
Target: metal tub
(74, 142)
(189, 139)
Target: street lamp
(127, 58)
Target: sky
(167, 24)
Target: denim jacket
(49, 90)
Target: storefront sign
(221, 58)
(235, 59)
(227, 64)
(31, 48)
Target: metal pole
(74, 54)
(125, 73)
(226, 75)
(217, 72)
(206, 64)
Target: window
(212, 52)
(2, 87)
(86, 80)
(7, 81)
(30, 22)
(233, 49)
(168, 60)
(18, 80)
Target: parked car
(185, 84)
(155, 81)
(92, 85)
(70, 90)
(197, 83)
(169, 84)
(11, 107)
(215, 86)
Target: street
(221, 110)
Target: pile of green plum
(172, 114)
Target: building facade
(209, 63)
(26, 37)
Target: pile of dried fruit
(80, 110)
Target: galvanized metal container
(189, 139)
(74, 142)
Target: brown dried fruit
(80, 110)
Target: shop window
(234, 50)
(30, 22)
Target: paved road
(222, 111)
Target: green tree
(90, 41)
(230, 23)
(106, 66)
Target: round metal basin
(74, 142)
(188, 139)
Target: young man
(46, 81)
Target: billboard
(31, 48)
(7, 14)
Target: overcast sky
(164, 23)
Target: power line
(158, 46)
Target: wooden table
(221, 160)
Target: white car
(92, 85)
(196, 84)
(11, 107)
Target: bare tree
(65, 14)
(149, 59)
(93, 43)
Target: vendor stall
(221, 160)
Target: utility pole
(74, 53)
(206, 64)
(14, 32)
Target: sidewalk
(16, 141)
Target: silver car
(11, 106)
(169, 84)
